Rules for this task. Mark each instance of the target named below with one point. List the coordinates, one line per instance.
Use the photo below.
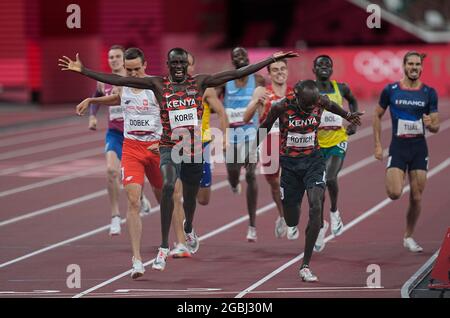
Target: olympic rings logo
(380, 66)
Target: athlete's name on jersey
(307, 139)
(331, 119)
(412, 126)
(184, 102)
(139, 122)
(183, 117)
(406, 102)
(302, 122)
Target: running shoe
(180, 251)
(192, 241)
(145, 206)
(336, 223)
(280, 227)
(320, 241)
(160, 261)
(251, 234)
(292, 233)
(114, 228)
(138, 268)
(412, 245)
(306, 275)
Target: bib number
(301, 140)
(115, 113)
(143, 123)
(409, 127)
(236, 115)
(183, 118)
(330, 121)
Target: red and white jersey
(141, 115)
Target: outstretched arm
(352, 117)
(223, 77)
(67, 64)
(113, 99)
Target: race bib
(409, 127)
(276, 127)
(301, 140)
(183, 117)
(115, 113)
(142, 123)
(236, 115)
(330, 120)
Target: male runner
(142, 132)
(262, 101)
(237, 95)
(113, 139)
(414, 108)
(180, 98)
(332, 136)
(302, 163)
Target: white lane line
(51, 146)
(56, 160)
(106, 227)
(21, 132)
(201, 238)
(68, 241)
(418, 276)
(55, 207)
(348, 226)
(64, 131)
(206, 236)
(51, 181)
(93, 232)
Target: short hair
(177, 50)
(117, 47)
(134, 52)
(238, 48)
(301, 85)
(415, 53)
(322, 56)
(281, 60)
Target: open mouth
(179, 73)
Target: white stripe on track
(51, 146)
(56, 160)
(348, 226)
(55, 207)
(64, 131)
(51, 181)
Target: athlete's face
(278, 72)
(239, 57)
(307, 98)
(323, 68)
(115, 59)
(135, 67)
(413, 67)
(178, 66)
(191, 66)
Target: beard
(413, 79)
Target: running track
(54, 212)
